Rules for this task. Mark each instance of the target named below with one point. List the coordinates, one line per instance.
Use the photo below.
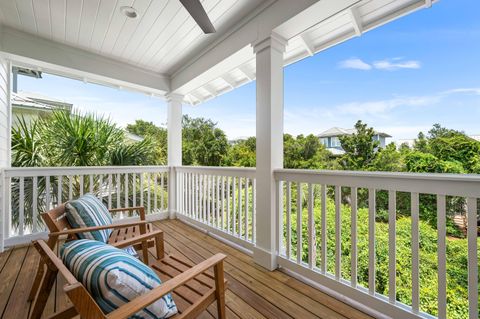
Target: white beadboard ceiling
(162, 38)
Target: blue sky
(400, 78)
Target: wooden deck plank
(9, 275)
(290, 282)
(248, 273)
(256, 292)
(16, 306)
(242, 291)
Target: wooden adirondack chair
(198, 286)
(139, 234)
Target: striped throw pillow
(89, 211)
(114, 277)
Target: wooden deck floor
(253, 292)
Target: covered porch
(287, 256)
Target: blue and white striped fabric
(89, 211)
(114, 278)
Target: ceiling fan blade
(195, 8)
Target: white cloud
(390, 65)
(356, 64)
(474, 91)
(380, 107)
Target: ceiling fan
(196, 10)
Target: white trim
(219, 234)
(83, 170)
(25, 239)
(221, 171)
(466, 185)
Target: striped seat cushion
(114, 277)
(89, 211)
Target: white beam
(197, 96)
(174, 140)
(231, 83)
(210, 90)
(356, 21)
(306, 43)
(61, 59)
(428, 3)
(246, 72)
(269, 123)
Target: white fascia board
(61, 59)
(244, 34)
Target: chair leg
(37, 281)
(159, 245)
(40, 272)
(145, 252)
(44, 292)
(220, 290)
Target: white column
(269, 60)
(174, 126)
(5, 127)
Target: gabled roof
(338, 131)
(22, 101)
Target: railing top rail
(466, 185)
(80, 170)
(225, 171)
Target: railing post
(174, 125)
(269, 110)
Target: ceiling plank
(115, 27)
(41, 9)
(58, 18)
(74, 13)
(87, 22)
(27, 16)
(130, 26)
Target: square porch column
(174, 127)
(5, 162)
(269, 123)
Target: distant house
(331, 139)
(31, 106)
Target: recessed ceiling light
(129, 12)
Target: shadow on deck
(253, 292)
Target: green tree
(360, 148)
(204, 143)
(157, 136)
(305, 152)
(242, 153)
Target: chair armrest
(137, 239)
(145, 300)
(125, 209)
(88, 229)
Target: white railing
(30, 191)
(328, 210)
(221, 200)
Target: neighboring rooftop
(338, 131)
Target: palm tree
(69, 139)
